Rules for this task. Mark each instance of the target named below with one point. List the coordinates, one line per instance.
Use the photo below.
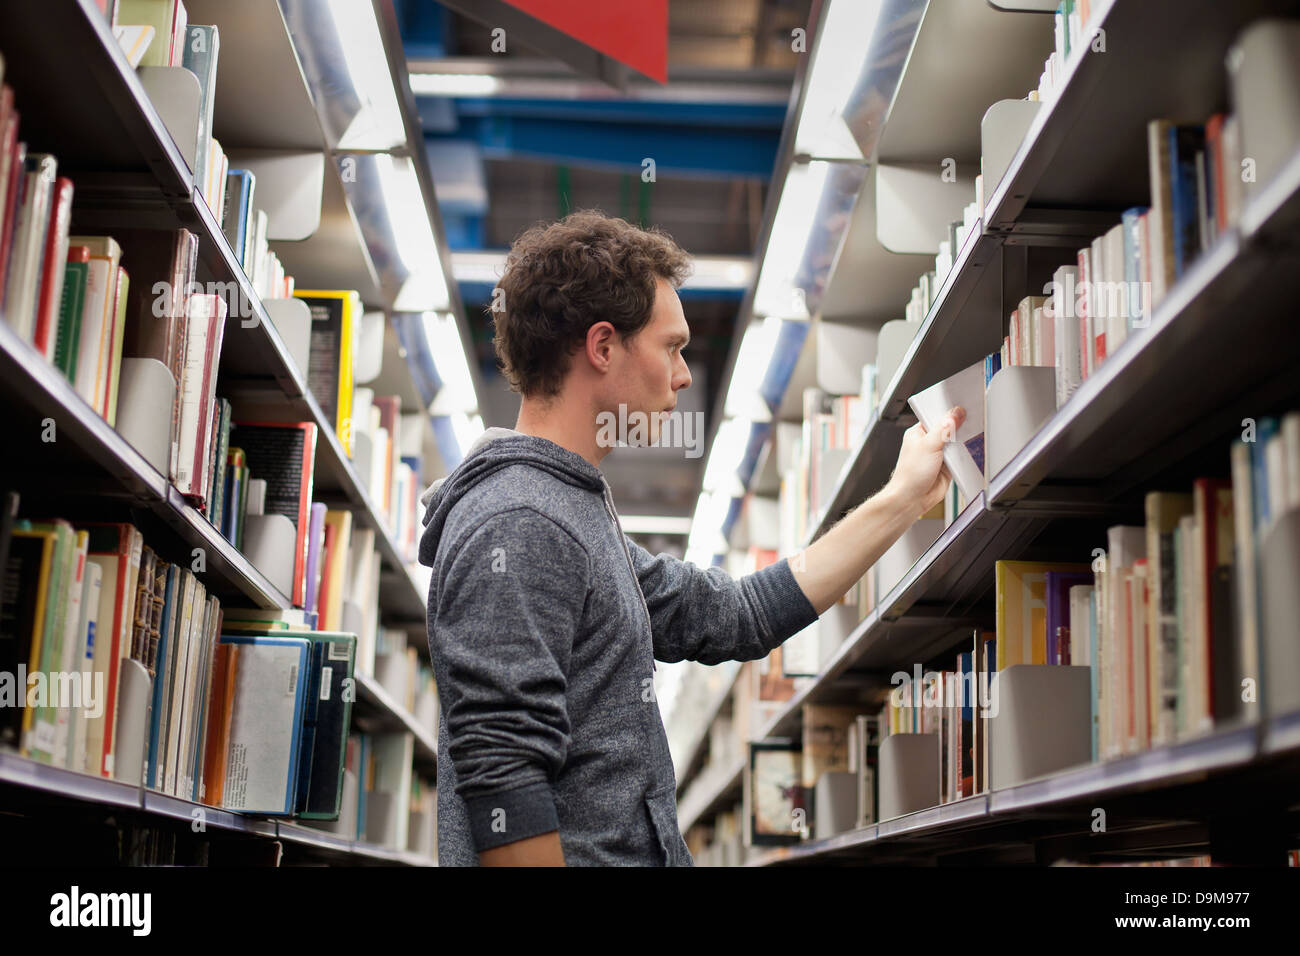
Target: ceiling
(549, 140)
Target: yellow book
(1022, 610)
(331, 615)
(335, 325)
(39, 626)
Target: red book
(124, 543)
(1214, 168)
(53, 268)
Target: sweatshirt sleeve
(509, 605)
(704, 614)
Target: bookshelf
(1158, 412)
(82, 101)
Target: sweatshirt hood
(494, 449)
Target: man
(545, 620)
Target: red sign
(633, 32)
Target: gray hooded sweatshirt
(544, 625)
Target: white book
(196, 376)
(1068, 357)
(1084, 299)
(92, 592)
(1044, 336)
(1116, 291)
(1125, 545)
(964, 453)
(1243, 569)
(110, 571)
(28, 250)
(191, 690)
(1098, 304)
(1080, 634)
(72, 649)
(1190, 627)
(1137, 627)
(1290, 433)
(174, 717)
(94, 328)
(1278, 481)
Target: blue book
(1184, 143)
(200, 58)
(237, 223)
(266, 723)
(992, 365)
(326, 722)
(1132, 219)
(1265, 429)
(162, 673)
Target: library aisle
(940, 508)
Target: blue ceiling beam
(716, 151)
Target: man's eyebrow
(682, 340)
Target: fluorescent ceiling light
(700, 557)
(724, 458)
(706, 525)
(777, 294)
(655, 524)
(425, 288)
(756, 351)
(378, 125)
(454, 84)
(457, 392)
(842, 46)
(467, 428)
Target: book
(53, 267)
(205, 328)
(266, 719)
(335, 326)
(1185, 142)
(964, 454)
(327, 721)
(202, 44)
(1060, 620)
(68, 340)
(283, 454)
(1163, 512)
(1022, 610)
(23, 286)
(98, 318)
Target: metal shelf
(1087, 147)
(1014, 814)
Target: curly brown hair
(563, 277)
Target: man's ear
(600, 345)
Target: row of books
(1166, 618)
(1072, 34)
(66, 584)
(384, 803)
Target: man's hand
(919, 477)
(834, 562)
